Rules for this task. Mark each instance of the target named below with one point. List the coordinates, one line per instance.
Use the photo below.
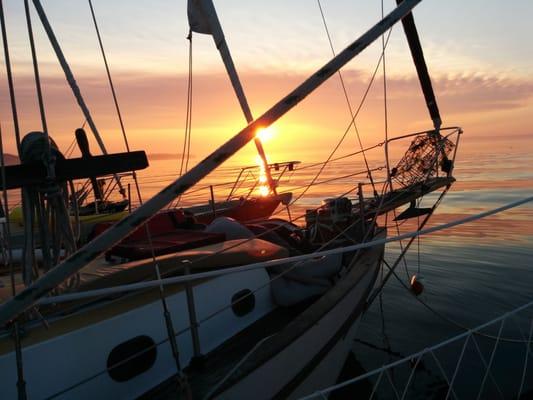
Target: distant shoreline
(11, 159)
(165, 156)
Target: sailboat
(263, 309)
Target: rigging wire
(406, 248)
(385, 184)
(111, 85)
(166, 313)
(31, 200)
(6, 228)
(348, 102)
(8, 259)
(36, 74)
(185, 154)
(425, 231)
(374, 74)
(189, 96)
(418, 249)
(353, 118)
(115, 100)
(220, 310)
(446, 318)
(180, 185)
(385, 108)
(186, 151)
(380, 144)
(70, 148)
(385, 116)
(189, 117)
(171, 333)
(44, 202)
(7, 60)
(206, 318)
(386, 142)
(186, 167)
(134, 286)
(167, 317)
(69, 76)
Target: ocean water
(472, 273)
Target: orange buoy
(417, 285)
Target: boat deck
(258, 344)
(99, 275)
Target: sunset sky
(478, 52)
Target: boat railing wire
(226, 187)
(167, 281)
(357, 247)
(468, 335)
(395, 380)
(280, 261)
(233, 182)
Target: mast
(411, 33)
(203, 18)
(27, 297)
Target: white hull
(314, 359)
(328, 370)
(74, 363)
(60, 362)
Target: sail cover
(198, 21)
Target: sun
(265, 134)
(263, 190)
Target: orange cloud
(154, 108)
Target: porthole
(131, 358)
(243, 302)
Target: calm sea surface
(472, 273)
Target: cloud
(474, 93)
(467, 92)
(154, 105)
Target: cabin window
(131, 358)
(243, 302)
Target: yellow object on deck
(16, 217)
